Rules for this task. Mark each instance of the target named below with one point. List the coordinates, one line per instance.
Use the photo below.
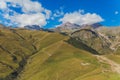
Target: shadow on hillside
(81, 45)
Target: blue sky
(50, 13)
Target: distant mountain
(92, 26)
(37, 27)
(66, 27)
(96, 25)
(69, 27)
(33, 27)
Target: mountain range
(83, 52)
(69, 27)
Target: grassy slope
(58, 60)
(50, 58)
(14, 50)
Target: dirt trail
(114, 66)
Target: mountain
(93, 39)
(93, 26)
(33, 27)
(96, 25)
(113, 34)
(36, 27)
(69, 27)
(66, 27)
(42, 55)
(101, 39)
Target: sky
(52, 13)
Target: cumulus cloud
(27, 6)
(79, 18)
(29, 19)
(32, 12)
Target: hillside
(40, 55)
(93, 39)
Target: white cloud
(48, 13)
(79, 18)
(3, 4)
(27, 5)
(57, 13)
(33, 12)
(116, 12)
(29, 19)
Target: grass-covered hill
(39, 55)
